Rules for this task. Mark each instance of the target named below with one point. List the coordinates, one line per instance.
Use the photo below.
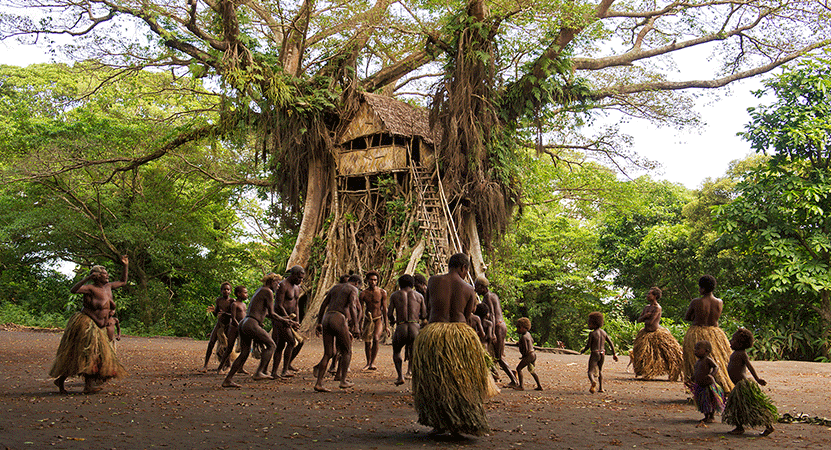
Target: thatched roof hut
(385, 135)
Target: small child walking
(526, 349)
(707, 394)
(747, 405)
(597, 345)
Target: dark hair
(595, 320)
(419, 278)
(405, 281)
(656, 291)
(707, 283)
(354, 278)
(482, 310)
(744, 338)
(458, 260)
(371, 273)
(524, 322)
(224, 283)
(706, 344)
(238, 290)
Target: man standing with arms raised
(450, 374)
(85, 348)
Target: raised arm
(77, 287)
(125, 262)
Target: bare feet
(538, 388)
(737, 431)
(243, 371)
(593, 389)
(89, 389)
(203, 369)
(286, 374)
(600, 390)
(709, 420)
(369, 367)
(346, 384)
(767, 431)
(519, 388)
(399, 382)
(321, 389)
(230, 384)
(59, 383)
(293, 369)
(701, 425)
(261, 376)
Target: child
(526, 349)
(237, 311)
(596, 344)
(747, 404)
(707, 394)
(113, 327)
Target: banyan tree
(319, 88)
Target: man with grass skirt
(704, 313)
(655, 351)
(85, 349)
(450, 373)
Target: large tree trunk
(477, 262)
(320, 184)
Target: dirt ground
(167, 403)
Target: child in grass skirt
(747, 404)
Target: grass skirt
(221, 341)
(86, 350)
(721, 352)
(707, 399)
(657, 353)
(749, 406)
(450, 379)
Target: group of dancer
(445, 332)
(711, 372)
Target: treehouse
(388, 185)
(386, 136)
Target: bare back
(343, 298)
(407, 306)
(704, 311)
(451, 298)
(262, 304)
(492, 300)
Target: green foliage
(780, 217)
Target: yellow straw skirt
(221, 341)
(721, 352)
(657, 353)
(450, 379)
(86, 350)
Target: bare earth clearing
(166, 403)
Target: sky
(687, 157)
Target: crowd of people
(453, 341)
